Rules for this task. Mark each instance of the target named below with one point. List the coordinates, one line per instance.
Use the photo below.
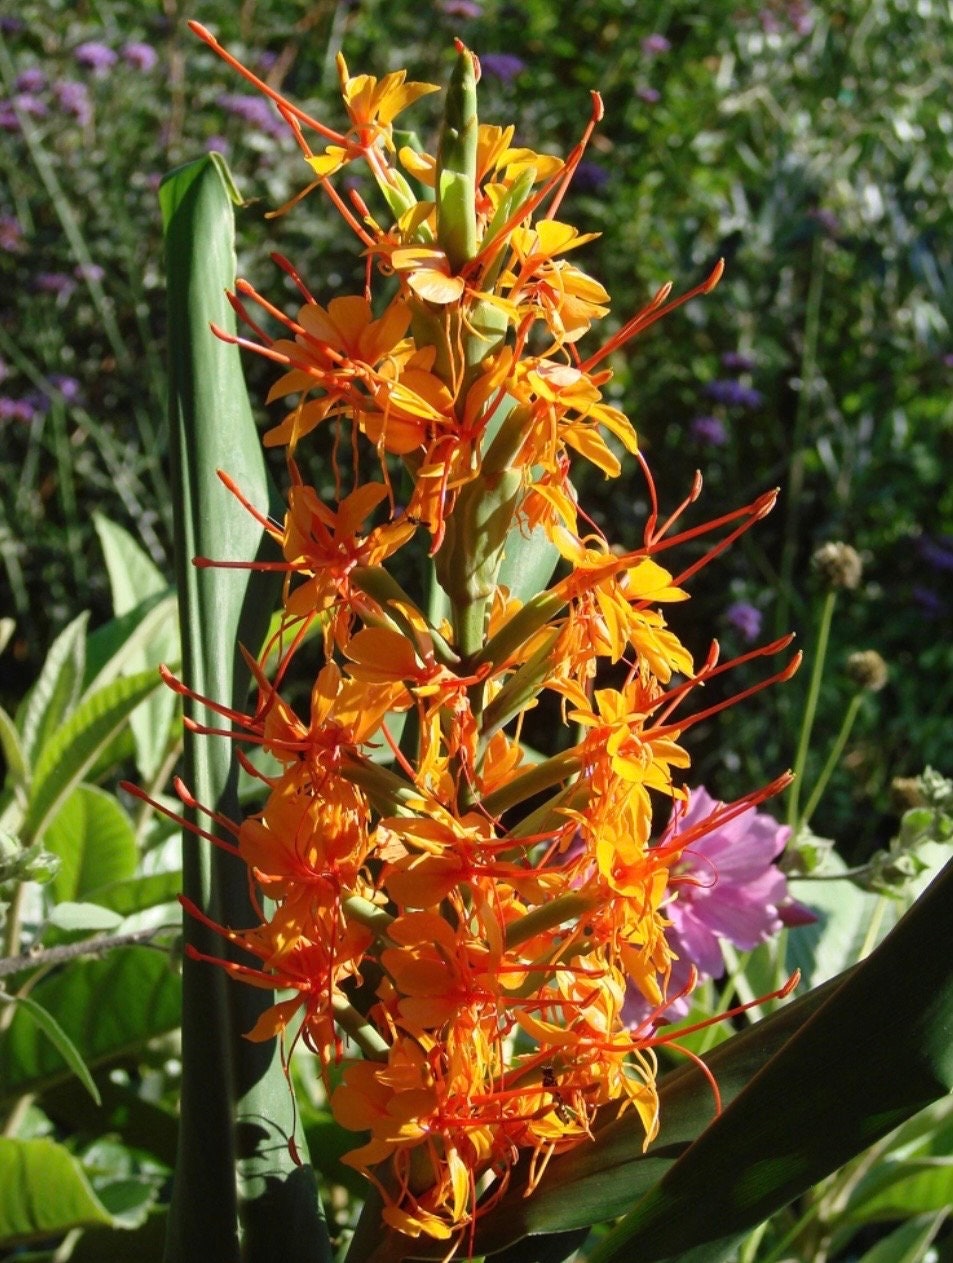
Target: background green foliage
(810, 145)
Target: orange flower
(372, 105)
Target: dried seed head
(838, 565)
(867, 670)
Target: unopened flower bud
(838, 565)
(867, 670)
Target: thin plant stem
(837, 749)
(12, 923)
(737, 980)
(810, 705)
(795, 476)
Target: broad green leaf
(108, 1009)
(134, 578)
(129, 1200)
(133, 575)
(18, 771)
(60, 1040)
(74, 746)
(908, 1243)
(212, 428)
(94, 838)
(56, 690)
(529, 562)
(909, 1187)
(87, 917)
(109, 648)
(845, 914)
(44, 1192)
(139, 893)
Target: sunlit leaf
(213, 428)
(14, 755)
(134, 578)
(110, 648)
(108, 1008)
(909, 1242)
(54, 694)
(71, 749)
(60, 1040)
(44, 1192)
(89, 917)
(95, 841)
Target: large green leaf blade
(95, 841)
(74, 746)
(107, 1009)
(44, 1192)
(11, 746)
(54, 694)
(48, 1024)
(237, 1111)
(110, 648)
(134, 578)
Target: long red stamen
(208, 38)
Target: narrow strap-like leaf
(237, 1111)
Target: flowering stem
(810, 705)
(546, 917)
(837, 749)
(359, 1029)
(544, 775)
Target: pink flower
(727, 889)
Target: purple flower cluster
(589, 177)
(745, 618)
(73, 98)
(936, 551)
(733, 394)
(95, 57)
(11, 235)
(139, 55)
(70, 96)
(253, 110)
(27, 408)
(727, 889)
(59, 284)
(466, 9)
(796, 14)
(503, 66)
(655, 44)
(737, 362)
(709, 431)
(22, 410)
